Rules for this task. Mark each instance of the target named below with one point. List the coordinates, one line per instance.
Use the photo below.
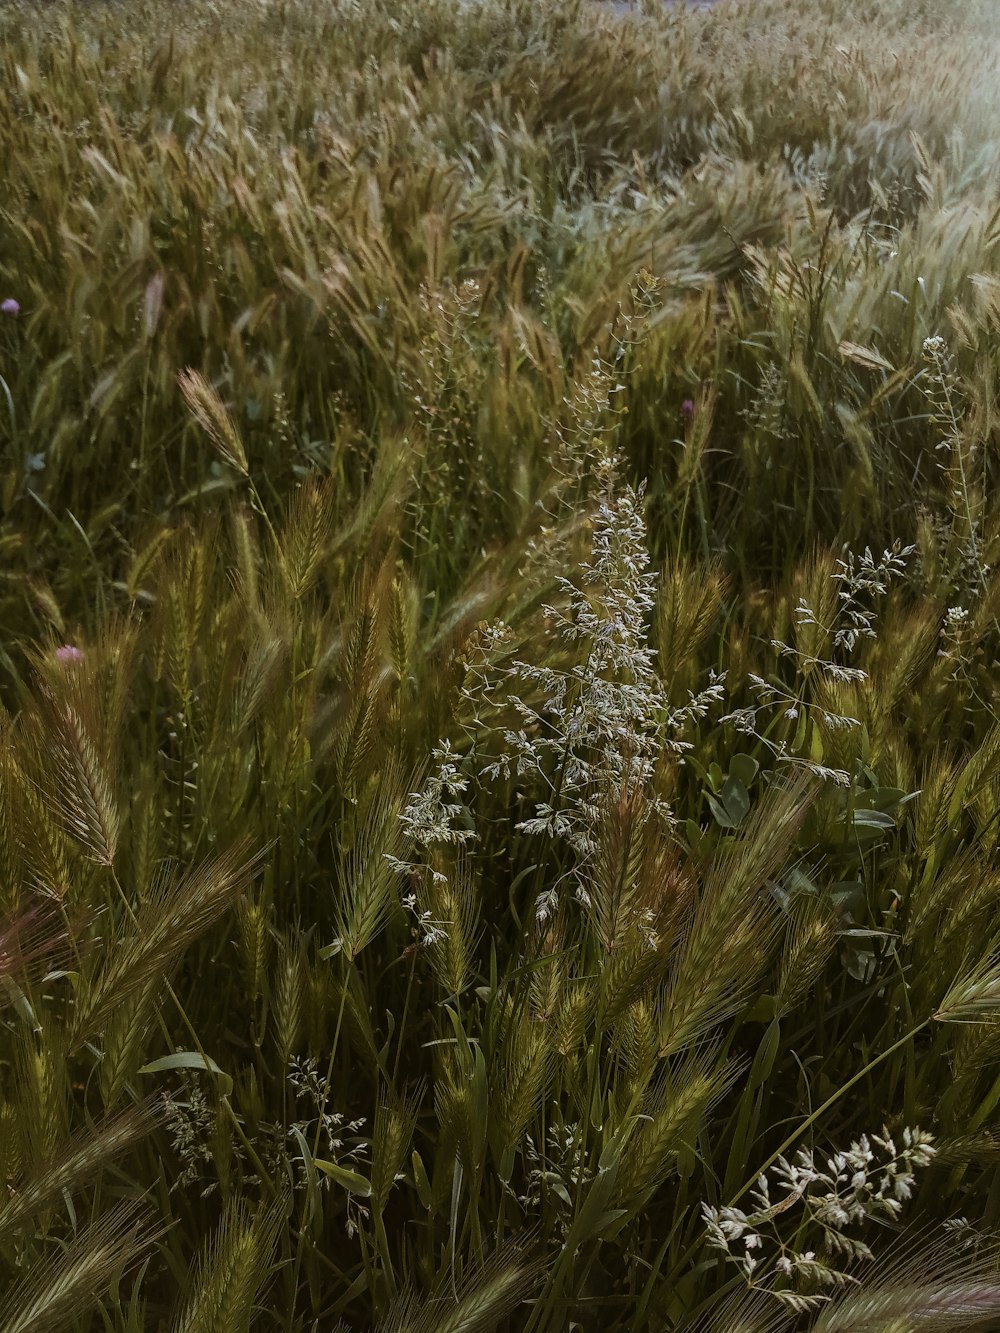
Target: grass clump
(499, 745)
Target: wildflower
(68, 653)
(340, 1139)
(934, 349)
(863, 580)
(556, 1173)
(687, 407)
(861, 576)
(10, 306)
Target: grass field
(499, 611)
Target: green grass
(474, 795)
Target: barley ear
(288, 992)
(366, 884)
(81, 1159)
(208, 410)
(75, 778)
(58, 1291)
(149, 943)
(395, 1120)
(306, 537)
(483, 1300)
(231, 1271)
(734, 929)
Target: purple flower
(68, 653)
(687, 407)
(10, 306)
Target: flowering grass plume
(822, 1202)
(605, 722)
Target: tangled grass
(499, 750)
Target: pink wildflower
(687, 407)
(10, 306)
(68, 653)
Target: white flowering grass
(820, 1201)
(602, 725)
(862, 581)
(605, 722)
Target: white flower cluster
(955, 632)
(962, 450)
(935, 350)
(766, 414)
(429, 821)
(555, 1174)
(191, 1125)
(599, 725)
(308, 1084)
(584, 435)
(605, 721)
(965, 1237)
(429, 931)
(336, 1137)
(871, 1180)
(602, 724)
(429, 817)
(862, 580)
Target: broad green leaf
(190, 1060)
(744, 767)
(351, 1181)
(736, 799)
(720, 813)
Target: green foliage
(499, 742)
